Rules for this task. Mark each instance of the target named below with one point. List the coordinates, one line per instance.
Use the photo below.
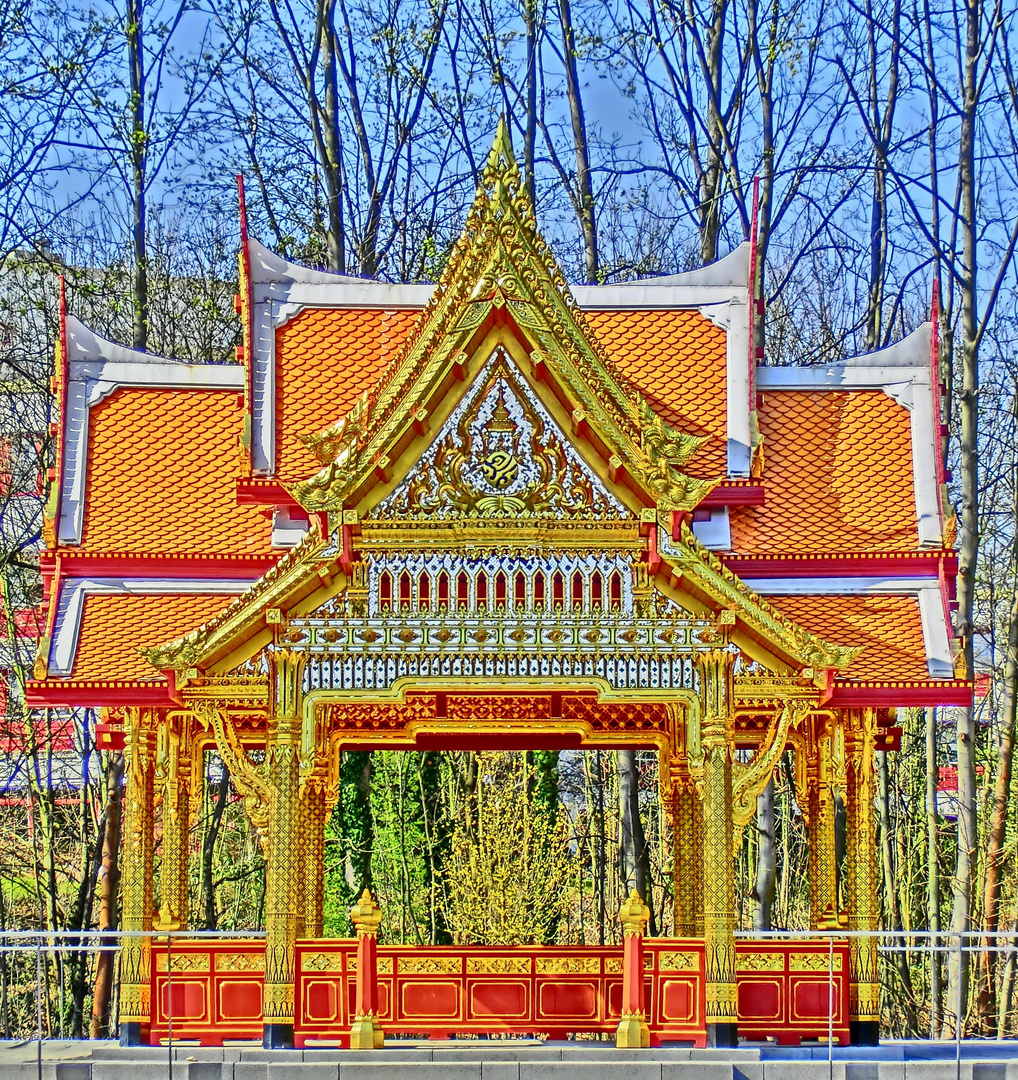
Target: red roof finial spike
(242, 204)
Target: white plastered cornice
(96, 368)
(901, 371)
(71, 606)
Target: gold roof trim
(693, 563)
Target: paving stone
(428, 1070)
(989, 1070)
(205, 1070)
(603, 1069)
(302, 1070)
(73, 1070)
(697, 1070)
(500, 1070)
(139, 1070)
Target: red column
(632, 1030)
(366, 1034)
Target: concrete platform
(498, 1060)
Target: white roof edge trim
(71, 606)
(840, 586)
(267, 266)
(654, 296)
(936, 634)
(93, 379)
(730, 269)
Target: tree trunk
(634, 861)
(584, 184)
(968, 411)
(766, 862)
(998, 820)
(933, 870)
(208, 850)
(109, 888)
(332, 164)
(139, 160)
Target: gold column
(823, 871)
(715, 667)
(315, 814)
(861, 877)
(136, 876)
(173, 773)
(687, 829)
(283, 869)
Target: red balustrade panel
(788, 990)
(447, 990)
(214, 990)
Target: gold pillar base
(632, 1032)
(366, 1034)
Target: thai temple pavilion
(499, 512)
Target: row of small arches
(556, 590)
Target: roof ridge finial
(501, 158)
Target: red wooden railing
(439, 991)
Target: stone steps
(487, 1061)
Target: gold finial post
(366, 1033)
(633, 1032)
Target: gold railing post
(136, 877)
(283, 869)
(366, 1033)
(861, 874)
(633, 1032)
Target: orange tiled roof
(889, 627)
(115, 626)
(325, 359)
(837, 475)
(162, 472)
(678, 359)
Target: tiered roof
(178, 483)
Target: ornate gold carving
(678, 960)
(750, 779)
(761, 961)
(498, 965)
(184, 961)
(817, 961)
(239, 962)
(249, 779)
(429, 965)
(567, 965)
(500, 462)
(324, 961)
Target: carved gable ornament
(500, 455)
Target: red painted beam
(734, 493)
(901, 693)
(191, 566)
(70, 693)
(253, 491)
(932, 564)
